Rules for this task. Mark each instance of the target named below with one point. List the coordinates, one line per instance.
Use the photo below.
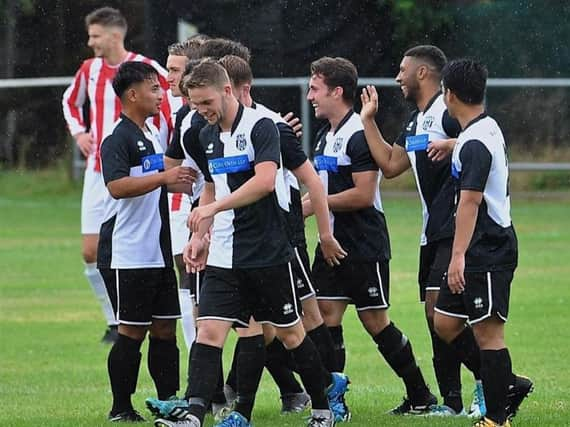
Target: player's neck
(467, 113)
(117, 56)
(425, 96)
(337, 116)
(135, 116)
(230, 115)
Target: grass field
(53, 368)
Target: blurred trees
(516, 38)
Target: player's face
(175, 65)
(210, 103)
(149, 96)
(320, 97)
(101, 39)
(407, 78)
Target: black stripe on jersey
(174, 150)
(105, 248)
(476, 164)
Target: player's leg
(279, 306)
(92, 205)
(134, 301)
(332, 303)
(487, 302)
(163, 354)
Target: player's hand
(439, 149)
(369, 98)
(455, 277)
(195, 254)
(331, 249)
(295, 123)
(179, 175)
(307, 208)
(86, 143)
(200, 213)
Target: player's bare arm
(465, 220)
(359, 197)
(333, 253)
(258, 186)
(131, 186)
(392, 160)
(170, 163)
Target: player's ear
(422, 72)
(131, 94)
(338, 92)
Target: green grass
(53, 369)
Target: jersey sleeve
(291, 151)
(265, 140)
(73, 99)
(359, 153)
(198, 153)
(115, 159)
(475, 165)
(451, 126)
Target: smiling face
(103, 39)
(210, 102)
(175, 65)
(147, 96)
(321, 97)
(407, 78)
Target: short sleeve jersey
(337, 156)
(293, 156)
(479, 163)
(253, 236)
(435, 186)
(136, 233)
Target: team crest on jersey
(141, 146)
(373, 292)
(428, 122)
(241, 142)
(337, 144)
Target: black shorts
(234, 295)
(434, 262)
(195, 280)
(486, 294)
(364, 284)
(302, 273)
(140, 295)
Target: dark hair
(467, 79)
(433, 55)
(217, 48)
(130, 73)
(185, 75)
(337, 72)
(207, 73)
(107, 17)
(238, 69)
(188, 46)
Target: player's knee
(163, 330)
(291, 337)
(210, 334)
(374, 321)
(444, 329)
(89, 254)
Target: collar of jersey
(343, 121)
(431, 101)
(476, 119)
(236, 120)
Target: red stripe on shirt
(176, 202)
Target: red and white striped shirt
(93, 81)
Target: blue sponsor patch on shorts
(154, 162)
(231, 164)
(417, 142)
(326, 163)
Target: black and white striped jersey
(435, 186)
(252, 236)
(187, 129)
(293, 156)
(337, 155)
(136, 231)
(479, 163)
